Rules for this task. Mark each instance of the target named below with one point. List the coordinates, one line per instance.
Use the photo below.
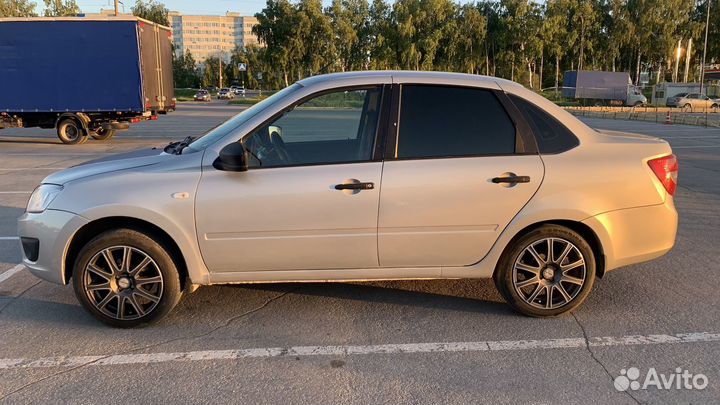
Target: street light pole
(702, 68)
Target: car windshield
(230, 125)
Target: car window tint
(438, 121)
(337, 127)
(551, 135)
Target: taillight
(666, 170)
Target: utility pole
(702, 68)
(117, 12)
(220, 71)
(678, 51)
(687, 60)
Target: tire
(638, 104)
(102, 134)
(71, 132)
(687, 107)
(118, 299)
(526, 283)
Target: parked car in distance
(212, 89)
(360, 176)
(202, 95)
(692, 102)
(226, 94)
(238, 90)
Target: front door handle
(512, 178)
(355, 186)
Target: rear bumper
(635, 235)
(52, 229)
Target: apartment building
(205, 36)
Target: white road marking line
(9, 237)
(695, 147)
(6, 275)
(15, 192)
(407, 348)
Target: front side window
(336, 127)
(439, 121)
(233, 123)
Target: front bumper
(53, 230)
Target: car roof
(410, 75)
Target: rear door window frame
(524, 139)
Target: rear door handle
(355, 186)
(511, 179)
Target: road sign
(242, 67)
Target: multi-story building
(205, 36)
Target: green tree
(211, 72)
(152, 11)
(277, 30)
(60, 8)
(381, 36)
(17, 8)
(185, 71)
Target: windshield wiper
(176, 147)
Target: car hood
(113, 163)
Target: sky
(207, 7)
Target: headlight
(42, 197)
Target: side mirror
(232, 158)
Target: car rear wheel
(124, 278)
(102, 134)
(546, 272)
(687, 107)
(70, 132)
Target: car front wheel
(124, 278)
(546, 272)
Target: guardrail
(705, 117)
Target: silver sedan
(692, 102)
(360, 176)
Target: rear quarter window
(551, 135)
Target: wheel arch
(584, 230)
(98, 226)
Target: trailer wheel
(70, 132)
(102, 134)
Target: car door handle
(355, 186)
(511, 179)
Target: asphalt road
(388, 342)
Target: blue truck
(85, 77)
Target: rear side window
(439, 121)
(551, 135)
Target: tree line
(529, 42)
(525, 41)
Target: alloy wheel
(123, 282)
(549, 273)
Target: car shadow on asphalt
(31, 140)
(477, 296)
